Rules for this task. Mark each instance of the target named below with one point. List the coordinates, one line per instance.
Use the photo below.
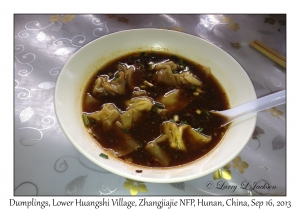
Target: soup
(152, 109)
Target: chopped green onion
(199, 130)
(183, 123)
(207, 113)
(154, 109)
(193, 87)
(126, 130)
(181, 62)
(181, 66)
(159, 105)
(139, 142)
(106, 93)
(92, 121)
(85, 119)
(171, 120)
(103, 156)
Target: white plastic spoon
(254, 106)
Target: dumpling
(177, 136)
(158, 153)
(117, 85)
(197, 138)
(126, 144)
(166, 65)
(135, 107)
(174, 135)
(90, 102)
(128, 73)
(175, 100)
(107, 116)
(138, 92)
(142, 103)
(110, 114)
(104, 86)
(166, 76)
(164, 73)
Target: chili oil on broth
(149, 126)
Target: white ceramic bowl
(74, 75)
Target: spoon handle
(257, 105)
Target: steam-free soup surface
(152, 109)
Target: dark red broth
(148, 127)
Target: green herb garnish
(143, 54)
(159, 105)
(183, 122)
(181, 62)
(139, 142)
(154, 109)
(207, 113)
(126, 130)
(85, 119)
(103, 156)
(193, 87)
(199, 130)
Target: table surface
(46, 163)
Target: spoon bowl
(254, 106)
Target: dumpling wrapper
(117, 85)
(196, 137)
(135, 107)
(104, 86)
(126, 144)
(158, 153)
(174, 135)
(165, 75)
(107, 116)
(175, 100)
(128, 73)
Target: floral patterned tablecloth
(46, 163)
